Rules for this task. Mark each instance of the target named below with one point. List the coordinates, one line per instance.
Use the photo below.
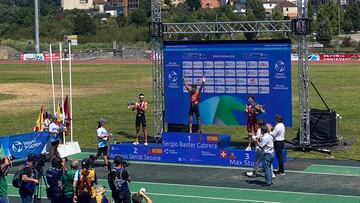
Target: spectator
(278, 134)
(5, 163)
(137, 197)
(101, 195)
(83, 184)
(118, 179)
(266, 145)
(28, 181)
(67, 181)
(53, 178)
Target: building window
(287, 9)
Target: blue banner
(233, 70)
(21, 145)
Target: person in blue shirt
(118, 181)
(102, 135)
(28, 181)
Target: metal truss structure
(227, 27)
(303, 74)
(158, 29)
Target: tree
(277, 14)
(193, 5)
(331, 10)
(138, 17)
(83, 24)
(354, 15)
(324, 31)
(346, 25)
(249, 15)
(120, 20)
(257, 9)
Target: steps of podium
(207, 149)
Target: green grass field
(102, 91)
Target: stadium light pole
(37, 41)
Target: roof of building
(286, 4)
(100, 2)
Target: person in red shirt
(194, 103)
(251, 122)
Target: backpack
(85, 186)
(115, 180)
(17, 178)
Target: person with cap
(118, 179)
(140, 121)
(84, 181)
(28, 180)
(194, 103)
(55, 133)
(102, 135)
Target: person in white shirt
(102, 135)
(265, 143)
(47, 121)
(278, 134)
(55, 133)
(258, 151)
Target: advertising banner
(41, 57)
(21, 145)
(336, 57)
(233, 70)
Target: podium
(186, 148)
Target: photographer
(53, 178)
(28, 181)
(5, 163)
(118, 179)
(137, 197)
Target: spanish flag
(39, 121)
(58, 114)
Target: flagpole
(70, 84)
(52, 77)
(62, 86)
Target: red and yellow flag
(39, 121)
(58, 114)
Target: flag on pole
(39, 121)
(58, 114)
(67, 115)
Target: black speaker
(322, 126)
(173, 127)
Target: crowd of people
(79, 183)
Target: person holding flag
(39, 121)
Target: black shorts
(140, 120)
(56, 143)
(194, 109)
(102, 150)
